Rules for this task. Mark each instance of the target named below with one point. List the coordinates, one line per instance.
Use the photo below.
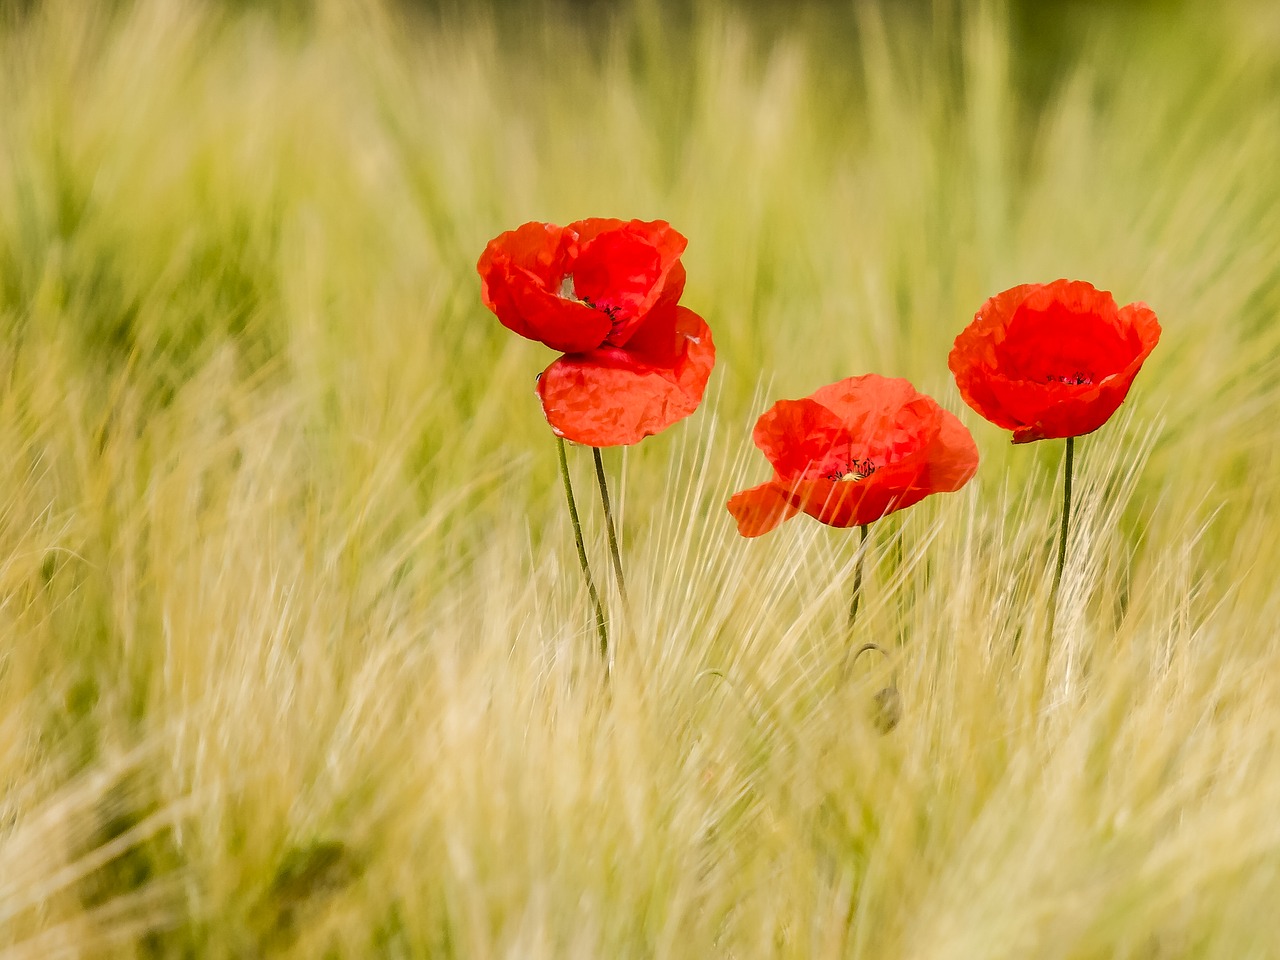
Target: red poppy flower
(579, 287)
(618, 395)
(853, 452)
(1052, 360)
(607, 294)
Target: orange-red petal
(760, 509)
(944, 458)
(1017, 363)
(623, 268)
(868, 399)
(916, 448)
(617, 396)
(800, 436)
(521, 271)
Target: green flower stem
(857, 578)
(608, 519)
(1047, 653)
(849, 655)
(582, 552)
(1062, 534)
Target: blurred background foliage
(293, 642)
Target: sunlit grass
(295, 659)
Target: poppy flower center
(1062, 346)
(852, 471)
(1076, 379)
(567, 292)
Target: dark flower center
(853, 471)
(1076, 379)
(567, 292)
(610, 312)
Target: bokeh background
(294, 654)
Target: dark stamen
(1076, 379)
(610, 312)
(853, 470)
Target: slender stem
(906, 590)
(849, 655)
(582, 551)
(1047, 653)
(1062, 535)
(608, 519)
(857, 578)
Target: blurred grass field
(295, 659)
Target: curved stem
(887, 700)
(868, 648)
(582, 552)
(608, 519)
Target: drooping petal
(952, 456)
(623, 268)
(617, 396)
(801, 437)
(760, 509)
(521, 274)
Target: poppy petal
(659, 234)
(589, 228)
(521, 273)
(659, 337)
(945, 459)
(622, 269)
(616, 397)
(915, 448)
(800, 437)
(952, 458)
(871, 396)
(839, 504)
(1052, 360)
(760, 509)
(540, 249)
(973, 356)
(1062, 329)
(1043, 411)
